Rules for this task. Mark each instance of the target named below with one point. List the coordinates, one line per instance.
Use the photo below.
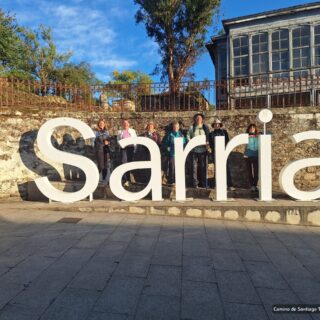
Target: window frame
(261, 53)
(280, 50)
(241, 56)
(298, 51)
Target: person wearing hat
(219, 131)
(150, 132)
(200, 153)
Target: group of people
(199, 155)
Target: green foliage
(130, 77)
(129, 84)
(12, 50)
(79, 74)
(179, 27)
(42, 56)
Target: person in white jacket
(127, 153)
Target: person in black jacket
(101, 145)
(218, 130)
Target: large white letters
(154, 164)
(286, 179)
(154, 186)
(265, 158)
(265, 168)
(180, 161)
(222, 152)
(85, 164)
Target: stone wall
(20, 160)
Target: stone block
(174, 211)
(213, 214)
(253, 215)
(137, 210)
(157, 211)
(231, 214)
(314, 217)
(196, 213)
(273, 216)
(293, 216)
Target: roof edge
(271, 13)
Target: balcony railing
(273, 92)
(237, 93)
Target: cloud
(118, 12)
(115, 63)
(65, 12)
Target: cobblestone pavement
(119, 266)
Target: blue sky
(104, 33)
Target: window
(280, 52)
(222, 62)
(260, 56)
(301, 50)
(241, 56)
(317, 45)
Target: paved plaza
(113, 266)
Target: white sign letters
(154, 186)
(154, 164)
(286, 179)
(85, 164)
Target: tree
(78, 74)
(130, 77)
(131, 83)
(42, 55)
(12, 50)
(179, 27)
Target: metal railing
(271, 91)
(198, 95)
(236, 93)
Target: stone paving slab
(128, 267)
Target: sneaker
(232, 188)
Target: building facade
(269, 59)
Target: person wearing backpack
(200, 153)
(174, 133)
(219, 131)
